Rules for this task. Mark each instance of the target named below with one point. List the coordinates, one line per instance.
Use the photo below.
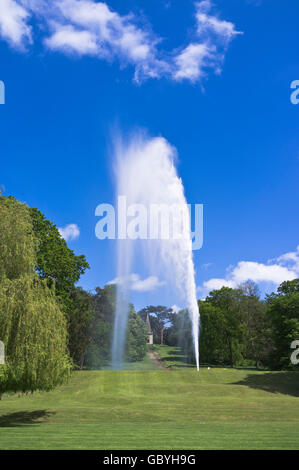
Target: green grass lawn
(145, 364)
(157, 409)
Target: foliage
(98, 353)
(283, 313)
(257, 331)
(101, 329)
(17, 242)
(55, 261)
(29, 242)
(136, 337)
(33, 329)
(288, 287)
(32, 325)
(160, 317)
(213, 343)
(227, 302)
(237, 327)
(80, 320)
(58, 264)
(233, 328)
(179, 334)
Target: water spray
(147, 177)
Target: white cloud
(258, 272)
(112, 30)
(14, 26)
(88, 14)
(192, 61)
(217, 283)
(69, 232)
(277, 270)
(209, 24)
(208, 52)
(141, 285)
(106, 34)
(290, 259)
(148, 284)
(89, 27)
(67, 38)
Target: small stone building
(150, 335)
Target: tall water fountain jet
(146, 180)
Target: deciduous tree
(283, 313)
(32, 324)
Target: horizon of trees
(237, 327)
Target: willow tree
(32, 324)
(17, 240)
(33, 329)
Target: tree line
(237, 327)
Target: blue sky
(213, 79)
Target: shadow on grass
(22, 418)
(286, 383)
(175, 357)
(184, 366)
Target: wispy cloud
(14, 26)
(87, 27)
(277, 270)
(70, 40)
(208, 51)
(69, 232)
(208, 24)
(290, 259)
(192, 62)
(137, 284)
(105, 34)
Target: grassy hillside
(163, 409)
(171, 356)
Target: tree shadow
(286, 383)
(180, 360)
(22, 418)
(175, 357)
(184, 366)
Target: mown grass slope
(157, 409)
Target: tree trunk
(229, 340)
(82, 360)
(162, 332)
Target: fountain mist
(147, 176)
